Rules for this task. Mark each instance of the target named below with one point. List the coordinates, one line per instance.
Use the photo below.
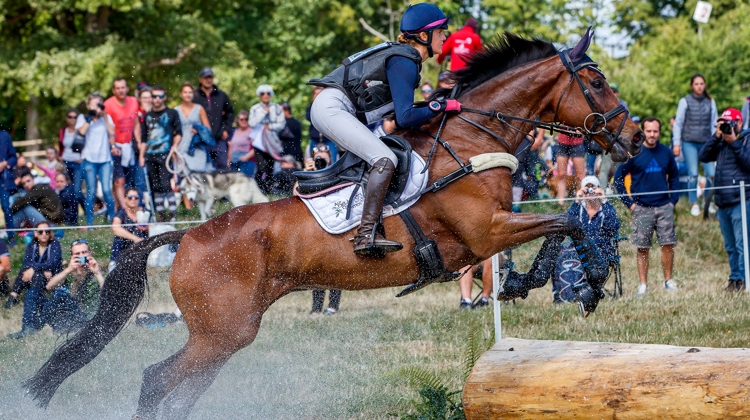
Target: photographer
(99, 130)
(597, 215)
(321, 158)
(729, 148)
(75, 294)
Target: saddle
(350, 168)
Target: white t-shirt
(68, 155)
(97, 149)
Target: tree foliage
(657, 72)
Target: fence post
(495, 288)
(743, 209)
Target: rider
(360, 92)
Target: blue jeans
(28, 213)
(247, 168)
(103, 171)
(591, 164)
(5, 204)
(690, 151)
(60, 311)
(730, 222)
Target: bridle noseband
(599, 118)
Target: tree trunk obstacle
(571, 379)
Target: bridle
(598, 119)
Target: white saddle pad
(330, 210)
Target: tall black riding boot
(368, 242)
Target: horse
(231, 269)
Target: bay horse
(231, 269)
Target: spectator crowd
(126, 155)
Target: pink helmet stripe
(434, 24)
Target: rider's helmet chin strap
(427, 43)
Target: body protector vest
(697, 125)
(362, 77)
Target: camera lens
(725, 128)
(320, 163)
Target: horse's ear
(580, 49)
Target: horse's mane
(503, 53)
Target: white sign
(702, 12)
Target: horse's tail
(120, 296)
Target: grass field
(348, 365)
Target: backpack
(568, 273)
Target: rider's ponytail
(404, 40)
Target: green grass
(351, 365)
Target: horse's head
(587, 102)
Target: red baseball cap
(731, 114)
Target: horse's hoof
(512, 287)
(587, 299)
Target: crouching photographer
(730, 148)
(321, 158)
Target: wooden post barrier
(580, 380)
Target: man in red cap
(461, 44)
(731, 151)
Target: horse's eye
(596, 84)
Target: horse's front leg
(512, 229)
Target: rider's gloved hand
(445, 105)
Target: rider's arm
(402, 76)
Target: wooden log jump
(580, 380)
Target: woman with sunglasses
(191, 115)
(130, 233)
(42, 260)
(241, 152)
(267, 120)
(381, 84)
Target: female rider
(383, 83)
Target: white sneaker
(695, 211)
(642, 289)
(670, 285)
(712, 208)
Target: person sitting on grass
(75, 295)
(40, 203)
(43, 259)
(127, 235)
(69, 198)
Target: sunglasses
(72, 117)
(265, 93)
(162, 96)
(426, 90)
(78, 242)
(43, 232)
(321, 149)
(242, 119)
(133, 197)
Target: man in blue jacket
(654, 170)
(731, 150)
(7, 186)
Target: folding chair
(615, 271)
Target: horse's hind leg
(180, 402)
(198, 363)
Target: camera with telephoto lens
(728, 127)
(320, 163)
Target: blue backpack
(568, 273)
